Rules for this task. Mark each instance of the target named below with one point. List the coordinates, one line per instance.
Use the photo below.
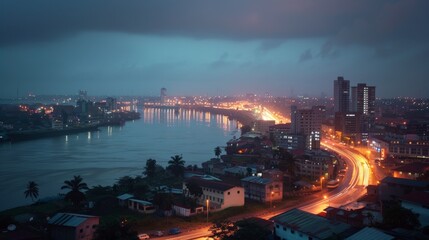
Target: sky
(217, 47)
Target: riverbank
(244, 117)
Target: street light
(321, 182)
(271, 200)
(207, 203)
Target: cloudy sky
(225, 47)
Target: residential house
(218, 195)
(70, 226)
(141, 206)
(123, 199)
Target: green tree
(150, 169)
(217, 151)
(76, 186)
(126, 184)
(176, 165)
(32, 190)
(116, 229)
(194, 189)
(249, 230)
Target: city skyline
(213, 48)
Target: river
(102, 157)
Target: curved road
(351, 188)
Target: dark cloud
(221, 62)
(344, 21)
(305, 56)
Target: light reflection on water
(104, 156)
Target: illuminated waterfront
(102, 157)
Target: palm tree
(150, 168)
(176, 165)
(75, 185)
(217, 151)
(32, 190)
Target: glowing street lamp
(271, 200)
(321, 182)
(207, 203)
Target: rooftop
(69, 219)
(416, 167)
(125, 196)
(258, 180)
(370, 234)
(213, 184)
(405, 182)
(311, 224)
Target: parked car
(174, 231)
(143, 236)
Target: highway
(351, 188)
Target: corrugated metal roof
(125, 196)
(68, 219)
(140, 201)
(310, 224)
(255, 179)
(370, 234)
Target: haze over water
(104, 156)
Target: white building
(218, 195)
(141, 206)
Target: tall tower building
(308, 122)
(163, 95)
(341, 95)
(363, 99)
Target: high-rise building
(308, 122)
(83, 95)
(341, 95)
(163, 95)
(363, 99)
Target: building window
(292, 231)
(284, 229)
(277, 226)
(81, 230)
(229, 193)
(238, 192)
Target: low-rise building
(218, 195)
(315, 164)
(262, 189)
(298, 224)
(391, 188)
(411, 171)
(141, 206)
(71, 226)
(186, 211)
(368, 233)
(123, 199)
